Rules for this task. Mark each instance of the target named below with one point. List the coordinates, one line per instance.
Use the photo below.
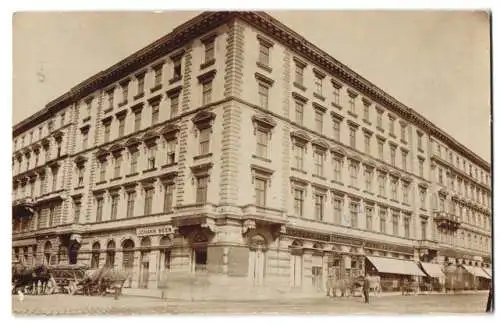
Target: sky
(437, 62)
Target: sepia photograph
(327, 162)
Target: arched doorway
(257, 259)
(199, 255)
(110, 254)
(317, 267)
(296, 263)
(96, 253)
(165, 258)
(144, 265)
(47, 253)
(128, 260)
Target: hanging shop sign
(155, 230)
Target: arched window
(96, 252)
(47, 253)
(128, 254)
(110, 254)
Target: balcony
(447, 220)
(23, 207)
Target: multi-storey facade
(234, 145)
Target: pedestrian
(366, 289)
(489, 304)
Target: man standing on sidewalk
(366, 289)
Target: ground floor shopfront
(249, 253)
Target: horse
(347, 286)
(42, 276)
(408, 287)
(375, 286)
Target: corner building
(234, 147)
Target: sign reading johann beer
(155, 230)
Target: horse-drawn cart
(65, 277)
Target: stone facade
(235, 149)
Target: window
(395, 223)
(174, 106)
(381, 185)
(336, 129)
(403, 132)
(130, 203)
(134, 156)
(319, 206)
(206, 93)
(318, 162)
(118, 166)
(158, 71)
(40, 131)
(336, 94)
(264, 53)
(353, 169)
(337, 210)
(51, 215)
(85, 142)
(423, 229)
(148, 201)
(404, 160)
(50, 127)
(43, 180)
(37, 155)
(393, 155)
(204, 141)
(352, 103)
(318, 85)
(299, 73)
(299, 112)
(352, 137)
(405, 193)
(299, 156)
(201, 189)
(318, 121)
(260, 192)
(155, 113)
(380, 149)
(366, 111)
(391, 125)
(440, 176)
(121, 126)
(102, 170)
(171, 151)
(263, 95)
(177, 70)
(369, 218)
(124, 92)
(262, 143)
(441, 204)
(337, 169)
(354, 208)
(114, 206)
(421, 167)
(100, 203)
(379, 118)
(368, 179)
(407, 220)
(140, 84)
(209, 50)
(168, 198)
(152, 157)
(77, 207)
(367, 143)
(419, 141)
(55, 172)
(298, 202)
(394, 188)
(107, 131)
(137, 120)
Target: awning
(476, 271)
(395, 266)
(433, 270)
(488, 271)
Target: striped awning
(476, 271)
(395, 266)
(488, 271)
(433, 270)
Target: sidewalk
(255, 294)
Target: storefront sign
(155, 230)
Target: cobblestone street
(80, 305)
